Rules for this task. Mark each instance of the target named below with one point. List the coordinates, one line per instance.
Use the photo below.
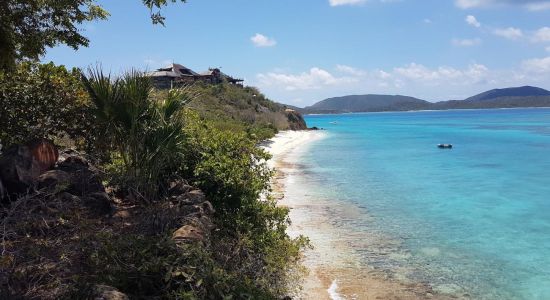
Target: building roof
(179, 71)
(174, 70)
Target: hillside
(232, 106)
(357, 103)
(524, 91)
(525, 96)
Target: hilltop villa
(176, 74)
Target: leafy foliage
(28, 27)
(147, 135)
(42, 101)
(156, 17)
(231, 170)
(231, 107)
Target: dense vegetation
(42, 101)
(144, 140)
(232, 107)
(498, 98)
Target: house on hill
(176, 75)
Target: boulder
(188, 233)
(54, 180)
(44, 152)
(85, 179)
(21, 165)
(105, 292)
(179, 187)
(194, 197)
(295, 120)
(18, 169)
(99, 203)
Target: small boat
(445, 146)
(333, 122)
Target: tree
(28, 27)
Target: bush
(231, 170)
(143, 134)
(42, 101)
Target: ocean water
(472, 221)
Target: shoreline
(428, 110)
(336, 270)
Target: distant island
(525, 96)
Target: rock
(188, 233)
(105, 292)
(295, 120)
(98, 203)
(195, 197)
(18, 169)
(208, 208)
(44, 152)
(63, 155)
(179, 187)
(85, 179)
(54, 179)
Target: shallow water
(473, 221)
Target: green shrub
(43, 101)
(144, 134)
(231, 170)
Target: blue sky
(302, 51)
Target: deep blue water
(473, 220)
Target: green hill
(235, 107)
(525, 96)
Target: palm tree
(147, 133)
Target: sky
(302, 51)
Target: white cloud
(539, 6)
(547, 49)
(418, 72)
(537, 65)
(542, 35)
(315, 78)
(471, 20)
(531, 5)
(414, 79)
(260, 40)
(510, 33)
(465, 4)
(466, 42)
(345, 2)
(427, 21)
(349, 70)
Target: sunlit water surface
(473, 221)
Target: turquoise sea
(472, 221)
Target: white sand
(291, 141)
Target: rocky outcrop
(295, 120)
(21, 165)
(44, 153)
(68, 211)
(85, 178)
(196, 213)
(54, 179)
(105, 292)
(18, 169)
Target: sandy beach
(336, 270)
